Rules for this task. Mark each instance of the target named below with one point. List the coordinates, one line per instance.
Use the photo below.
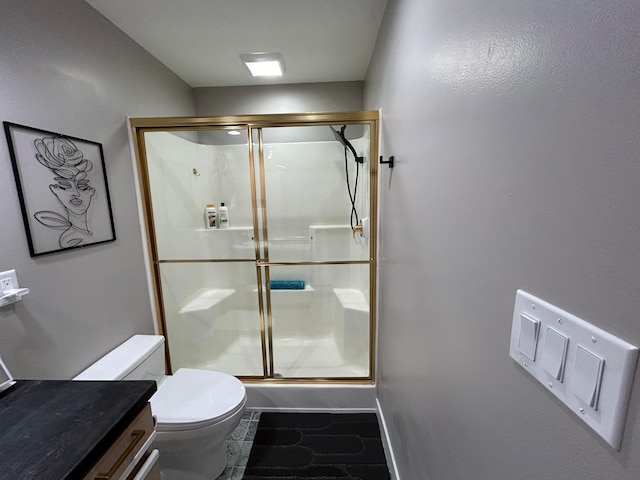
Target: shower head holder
(340, 137)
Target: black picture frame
(62, 187)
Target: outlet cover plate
(10, 291)
(8, 281)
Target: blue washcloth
(286, 284)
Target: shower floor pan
(293, 358)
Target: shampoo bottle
(210, 216)
(223, 216)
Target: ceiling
(201, 40)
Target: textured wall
(66, 69)
(515, 130)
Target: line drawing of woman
(72, 189)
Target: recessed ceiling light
(233, 132)
(263, 64)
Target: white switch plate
(620, 359)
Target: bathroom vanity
(72, 430)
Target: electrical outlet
(7, 281)
(10, 291)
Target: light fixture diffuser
(263, 64)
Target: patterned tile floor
(239, 446)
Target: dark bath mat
(317, 446)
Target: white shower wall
(307, 201)
(308, 212)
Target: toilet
(195, 410)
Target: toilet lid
(191, 399)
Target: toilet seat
(191, 399)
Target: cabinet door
(123, 451)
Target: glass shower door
(314, 200)
(285, 291)
(206, 276)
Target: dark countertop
(55, 430)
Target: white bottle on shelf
(210, 216)
(223, 217)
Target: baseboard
(386, 443)
(311, 398)
(312, 410)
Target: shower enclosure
(287, 292)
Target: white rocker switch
(587, 377)
(554, 353)
(528, 340)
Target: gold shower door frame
(251, 123)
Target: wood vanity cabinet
(75, 430)
(130, 456)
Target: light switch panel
(528, 341)
(588, 369)
(588, 374)
(554, 353)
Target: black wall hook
(388, 162)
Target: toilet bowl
(195, 410)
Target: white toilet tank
(139, 358)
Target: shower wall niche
(286, 292)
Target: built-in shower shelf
(307, 288)
(206, 299)
(352, 299)
(230, 229)
(330, 227)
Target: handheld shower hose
(340, 137)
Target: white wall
(66, 69)
(515, 130)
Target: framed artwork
(62, 185)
